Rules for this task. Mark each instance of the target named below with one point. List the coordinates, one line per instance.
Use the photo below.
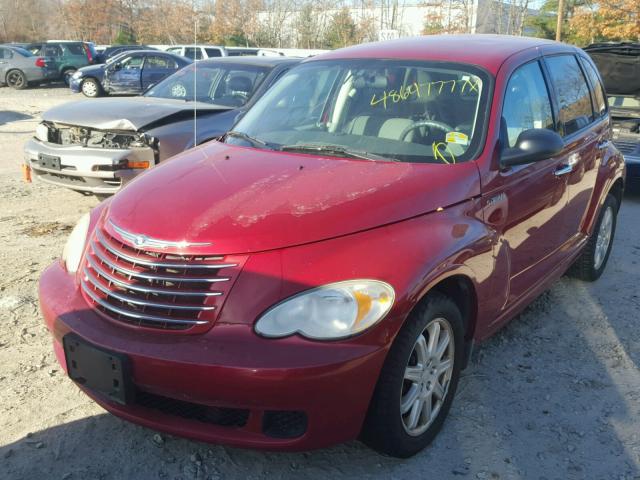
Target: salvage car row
(247, 310)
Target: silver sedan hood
(132, 113)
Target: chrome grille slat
(147, 276)
(169, 288)
(142, 289)
(135, 315)
(141, 261)
(148, 303)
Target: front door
(527, 207)
(124, 76)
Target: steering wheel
(425, 123)
(178, 90)
(240, 94)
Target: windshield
(375, 109)
(221, 84)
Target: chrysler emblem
(140, 240)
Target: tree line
(298, 23)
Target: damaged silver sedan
(96, 146)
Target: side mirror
(532, 145)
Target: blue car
(129, 73)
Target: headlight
(78, 74)
(72, 252)
(42, 132)
(333, 311)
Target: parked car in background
(65, 56)
(198, 52)
(19, 67)
(322, 274)
(619, 65)
(129, 73)
(114, 50)
(96, 146)
(241, 51)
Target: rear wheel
(418, 380)
(16, 79)
(91, 88)
(593, 260)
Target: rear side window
(526, 102)
(213, 52)
(572, 92)
(160, 62)
(75, 49)
(51, 51)
(598, 89)
(5, 53)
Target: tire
(386, 429)
(91, 88)
(16, 79)
(67, 74)
(593, 259)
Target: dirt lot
(555, 395)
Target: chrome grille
(153, 288)
(626, 148)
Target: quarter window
(598, 89)
(572, 92)
(526, 102)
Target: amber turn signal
(131, 164)
(26, 173)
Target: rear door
(5, 62)
(157, 67)
(124, 76)
(583, 131)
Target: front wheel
(593, 260)
(418, 380)
(91, 88)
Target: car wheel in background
(593, 259)
(16, 79)
(91, 88)
(67, 74)
(418, 380)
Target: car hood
(96, 70)
(245, 200)
(123, 113)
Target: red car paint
(298, 221)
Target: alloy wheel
(603, 239)
(427, 377)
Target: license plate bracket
(101, 371)
(49, 161)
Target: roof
(251, 60)
(488, 51)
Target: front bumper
(79, 164)
(75, 84)
(230, 368)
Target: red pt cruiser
(323, 272)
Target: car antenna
(195, 74)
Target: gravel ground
(555, 395)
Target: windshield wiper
(335, 150)
(256, 142)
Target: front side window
(598, 89)
(132, 63)
(228, 85)
(526, 102)
(572, 92)
(193, 53)
(391, 110)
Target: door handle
(563, 170)
(603, 145)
